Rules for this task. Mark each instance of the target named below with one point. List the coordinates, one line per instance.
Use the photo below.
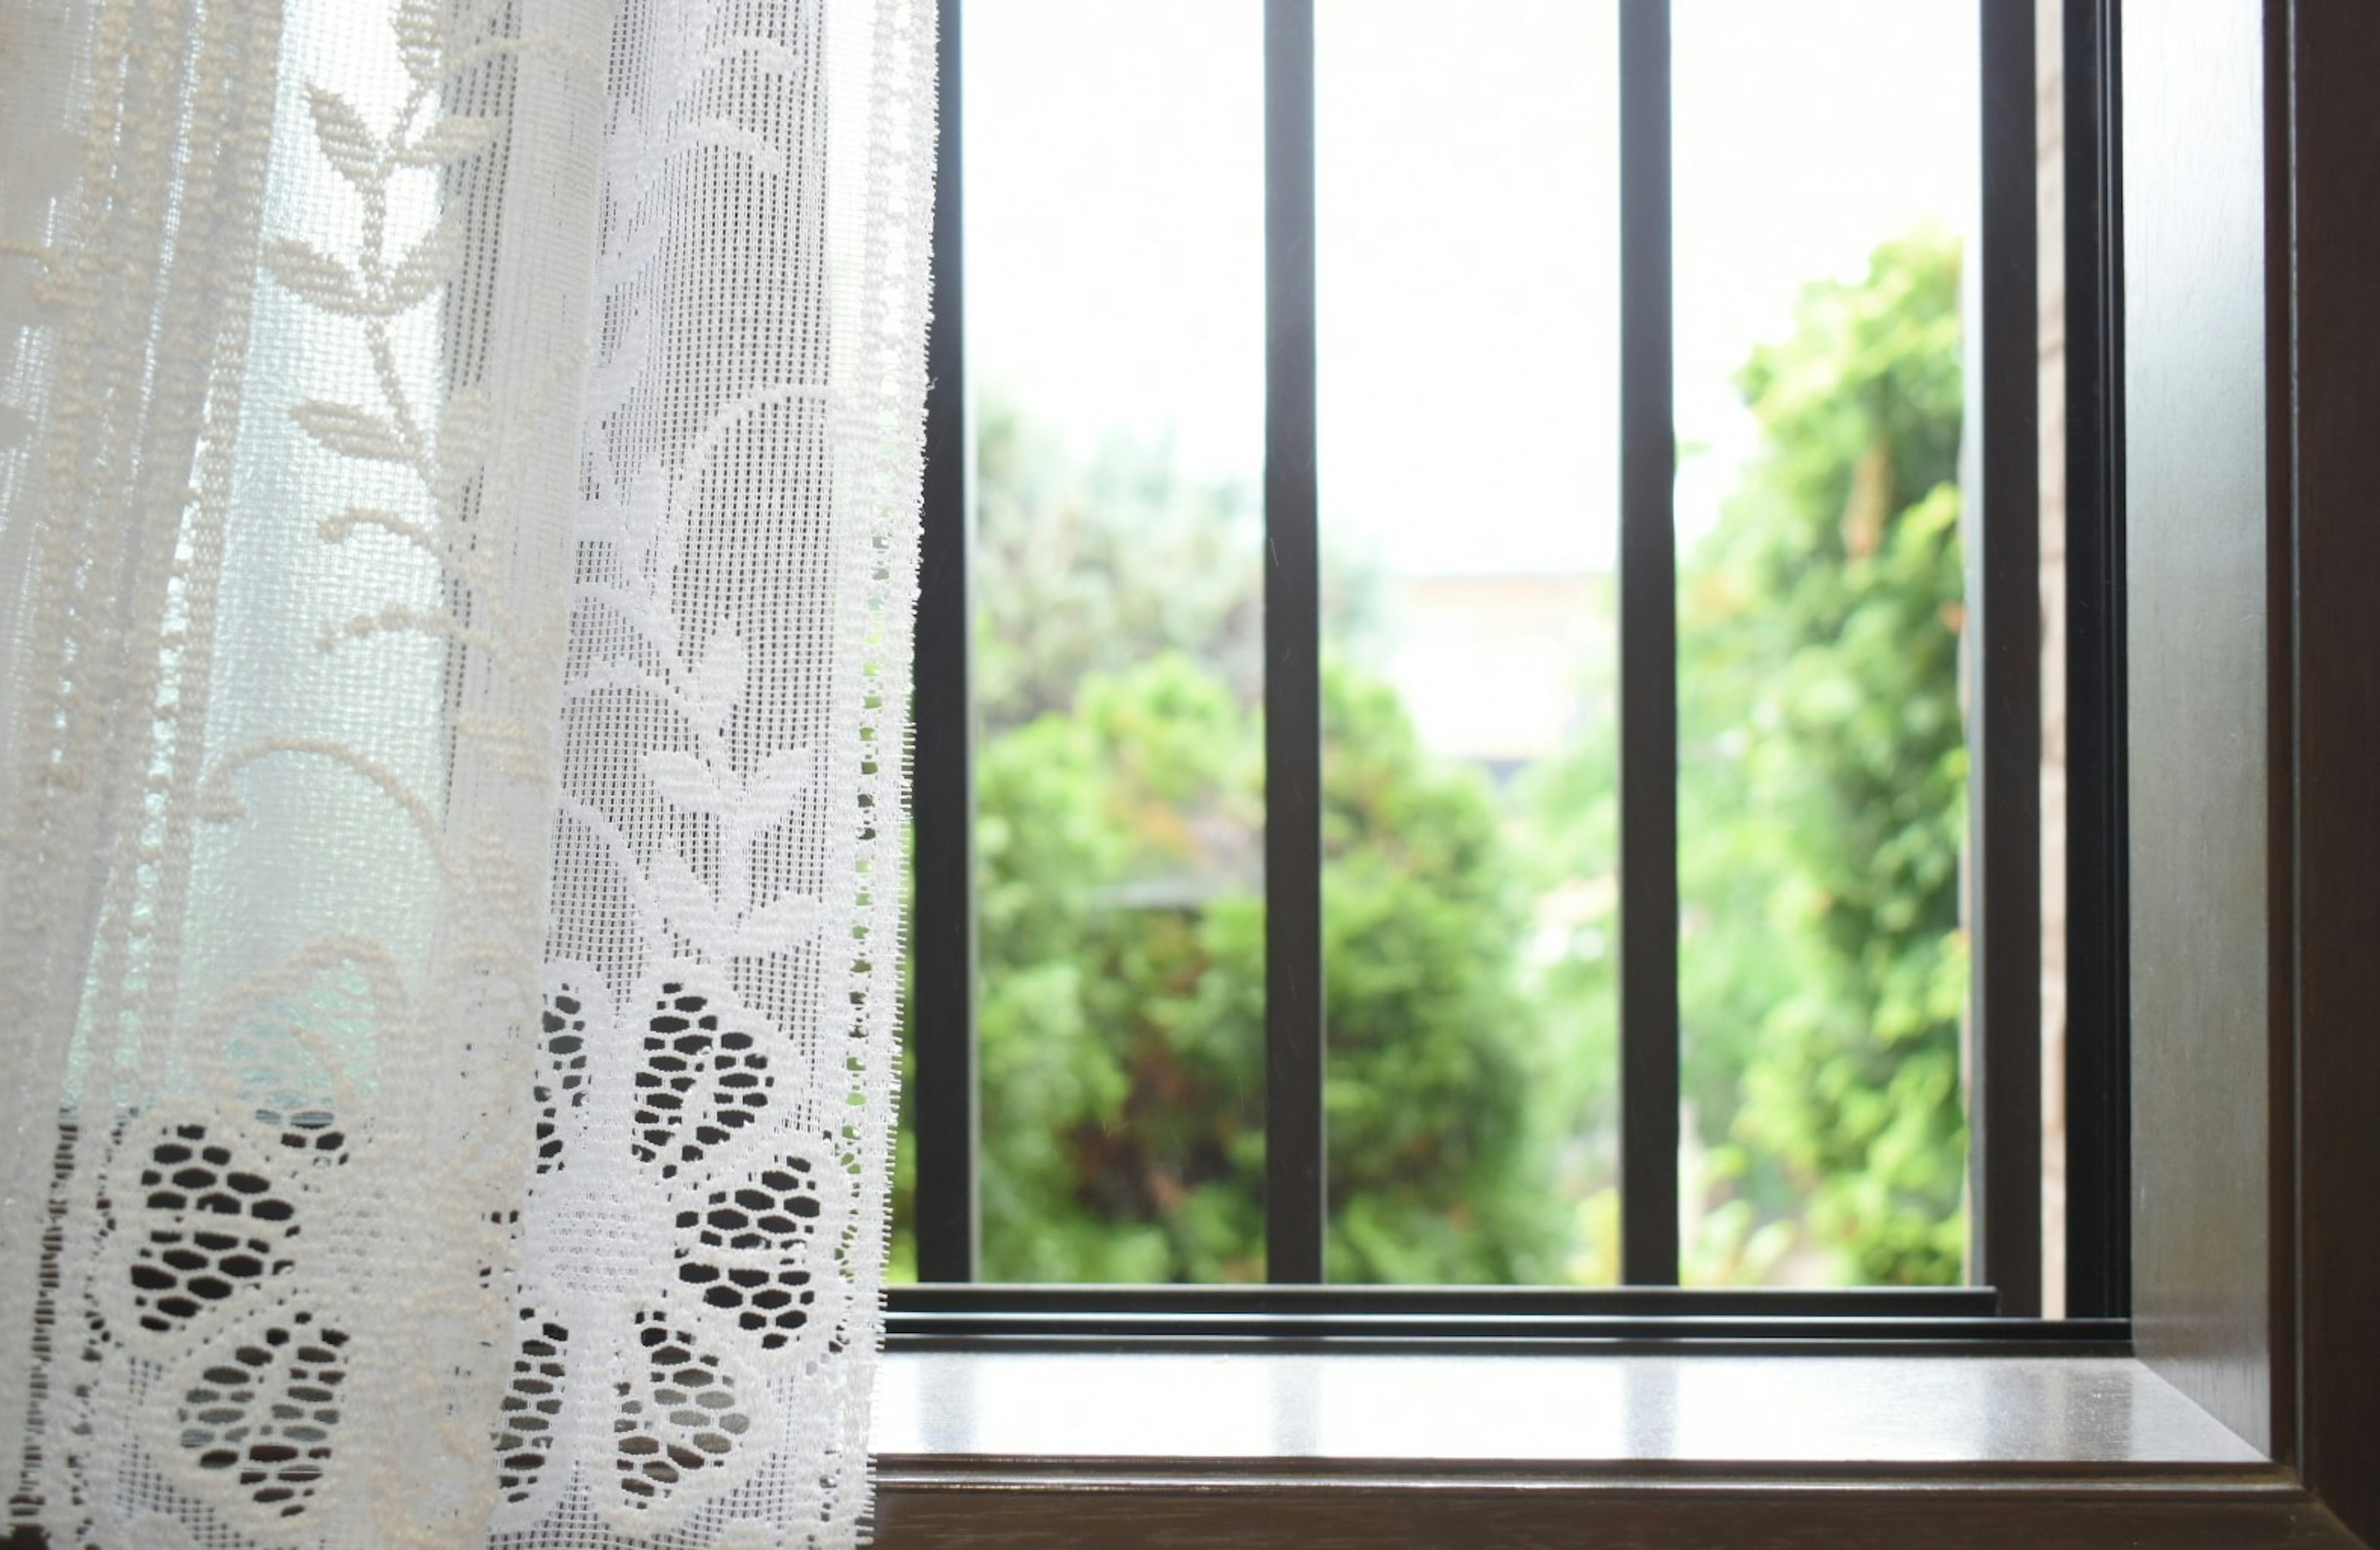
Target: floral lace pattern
(676, 1108)
(719, 1049)
(478, 440)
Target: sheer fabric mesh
(458, 469)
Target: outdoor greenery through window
(1466, 270)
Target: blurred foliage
(1440, 1146)
(1470, 932)
(1822, 791)
(1094, 564)
(1121, 1015)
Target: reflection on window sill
(979, 1449)
(1566, 1413)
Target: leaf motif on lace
(678, 1127)
(458, 446)
(239, 1272)
(704, 1232)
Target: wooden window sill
(996, 1449)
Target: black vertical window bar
(2005, 714)
(1648, 663)
(943, 1084)
(2097, 1120)
(1293, 710)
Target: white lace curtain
(458, 472)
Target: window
(2244, 466)
(1179, 645)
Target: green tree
(1122, 931)
(1123, 1009)
(1122, 1126)
(1822, 781)
(1821, 808)
(1440, 1151)
(1090, 564)
(1564, 814)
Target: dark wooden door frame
(2276, 1344)
(2327, 1267)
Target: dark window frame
(946, 1306)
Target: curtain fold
(458, 471)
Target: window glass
(1115, 235)
(1467, 283)
(1466, 265)
(1825, 155)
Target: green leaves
(1119, 828)
(1822, 785)
(1122, 1012)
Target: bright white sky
(1467, 244)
